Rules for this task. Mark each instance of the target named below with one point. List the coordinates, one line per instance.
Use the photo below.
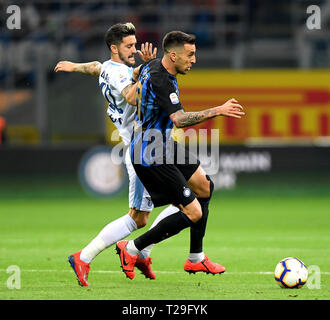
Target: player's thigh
(191, 169)
(199, 183)
(166, 185)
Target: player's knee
(193, 211)
(196, 215)
(205, 189)
(140, 217)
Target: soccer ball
(291, 273)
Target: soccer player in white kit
(115, 80)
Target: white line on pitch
(165, 272)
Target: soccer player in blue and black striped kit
(166, 169)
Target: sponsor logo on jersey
(174, 98)
(122, 78)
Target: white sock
(131, 248)
(145, 253)
(110, 234)
(196, 257)
(92, 250)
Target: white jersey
(114, 77)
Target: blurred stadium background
(261, 53)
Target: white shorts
(138, 195)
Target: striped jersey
(157, 98)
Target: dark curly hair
(117, 32)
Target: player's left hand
(147, 53)
(65, 66)
(231, 108)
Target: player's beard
(181, 71)
(125, 60)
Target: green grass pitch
(249, 231)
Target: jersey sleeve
(166, 95)
(121, 78)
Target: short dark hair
(177, 38)
(117, 32)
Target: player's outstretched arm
(92, 68)
(230, 108)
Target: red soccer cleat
(205, 265)
(80, 268)
(144, 266)
(127, 261)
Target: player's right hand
(231, 108)
(147, 53)
(65, 66)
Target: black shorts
(167, 183)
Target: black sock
(166, 228)
(197, 231)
